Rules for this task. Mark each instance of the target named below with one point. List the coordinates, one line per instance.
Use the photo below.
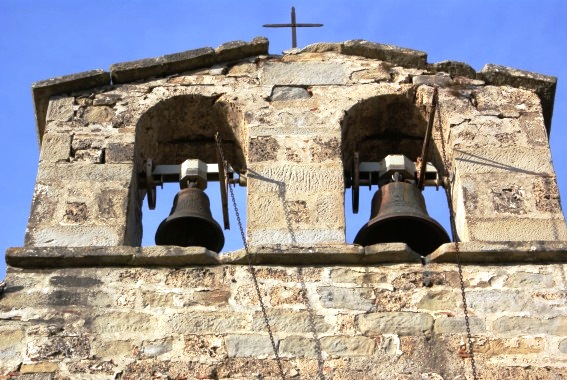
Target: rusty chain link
(448, 184)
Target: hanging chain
(448, 185)
(312, 325)
(249, 258)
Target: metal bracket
(156, 175)
(223, 183)
(376, 173)
(355, 183)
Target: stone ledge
(398, 55)
(131, 71)
(543, 85)
(65, 257)
(332, 254)
(394, 54)
(501, 253)
(45, 89)
(454, 68)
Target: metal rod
(294, 25)
(422, 160)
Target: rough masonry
(83, 299)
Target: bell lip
(440, 231)
(212, 221)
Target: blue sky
(44, 39)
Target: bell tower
(408, 300)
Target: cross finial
(293, 27)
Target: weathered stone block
(66, 257)
(381, 73)
(123, 324)
(60, 109)
(517, 160)
(286, 295)
(169, 64)
(209, 323)
(530, 280)
(346, 298)
(324, 149)
(62, 347)
(74, 281)
(43, 367)
(293, 178)
(546, 194)
(70, 173)
(198, 278)
(304, 73)
(239, 49)
(322, 47)
(75, 236)
(563, 346)
(432, 80)
(249, 345)
(75, 213)
(155, 299)
(455, 69)
(491, 131)
(98, 115)
(514, 326)
(456, 325)
(291, 322)
(56, 147)
(517, 346)
(91, 156)
(285, 93)
(298, 346)
(439, 300)
(345, 346)
(12, 344)
(300, 236)
(263, 149)
(543, 85)
(106, 99)
(243, 69)
(399, 323)
(497, 301)
(515, 229)
(388, 300)
(506, 102)
(156, 348)
(204, 346)
(112, 349)
(188, 60)
(117, 153)
(211, 297)
(43, 90)
(362, 276)
(394, 54)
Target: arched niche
(386, 124)
(184, 127)
(382, 125)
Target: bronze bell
(399, 215)
(190, 222)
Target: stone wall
(204, 321)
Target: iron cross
(293, 27)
